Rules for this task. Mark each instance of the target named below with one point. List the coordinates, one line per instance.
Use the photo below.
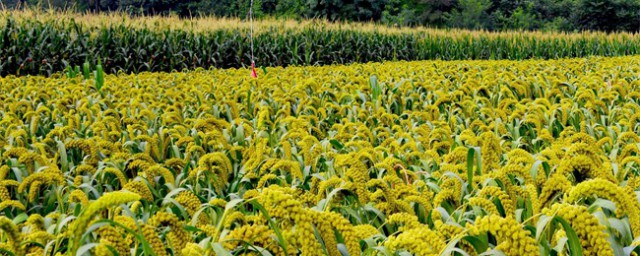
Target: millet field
(148, 136)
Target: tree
(359, 10)
(329, 9)
(291, 8)
(417, 12)
(520, 18)
(609, 15)
(507, 7)
(396, 13)
(471, 14)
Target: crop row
(45, 43)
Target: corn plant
(46, 43)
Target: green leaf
(470, 160)
(473, 159)
(336, 144)
(20, 218)
(113, 250)
(573, 240)
(331, 195)
(477, 244)
(602, 203)
(99, 74)
(232, 204)
(536, 165)
(62, 152)
(541, 225)
(86, 70)
(219, 250)
(343, 250)
(6, 252)
(375, 88)
(86, 248)
(191, 228)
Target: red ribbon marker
(253, 70)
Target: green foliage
(564, 15)
(285, 8)
(471, 14)
(609, 15)
(86, 70)
(72, 72)
(45, 47)
(376, 89)
(420, 12)
(99, 76)
(558, 24)
(360, 10)
(520, 19)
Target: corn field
(33, 43)
(534, 157)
